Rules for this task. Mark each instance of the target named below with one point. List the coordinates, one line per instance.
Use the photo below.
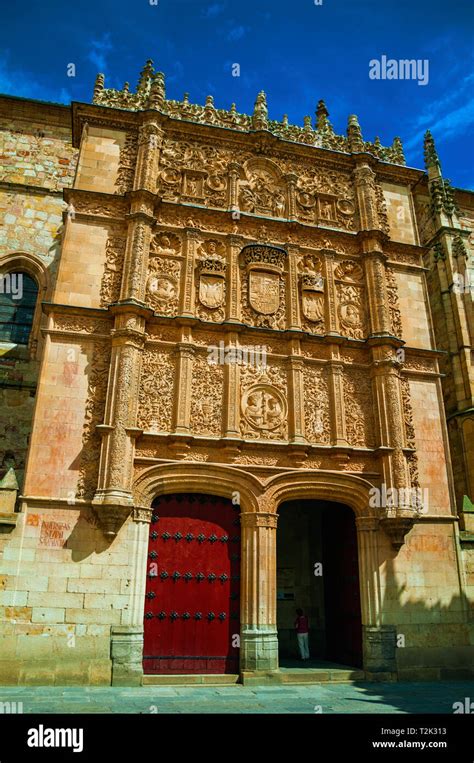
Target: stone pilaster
(234, 174)
(294, 319)
(379, 640)
(296, 407)
(127, 639)
(331, 294)
(364, 182)
(185, 354)
(234, 245)
(126, 652)
(291, 180)
(232, 387)
(377, 292)
(136, 254)
(336, 401)
(390, 417)
(379, 649)
(259, 639)
(370, 594)
(113, 498)
(187, 296)
(150, 139)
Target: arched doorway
(317, 570)
(192, 598)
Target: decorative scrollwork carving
(360, 426)
(156, 391)
(111, 280)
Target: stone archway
(352, 491)
(185, 477)
(318, 572)
(259, 502)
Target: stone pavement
(326, 698)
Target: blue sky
(298, 52)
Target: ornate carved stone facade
(248, 311)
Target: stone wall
(61, 589)
(37, 160)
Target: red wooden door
(192, 598)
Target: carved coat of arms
(312, 293)
(211, 290)
(212, 268)
(313, 305)
(264, 291)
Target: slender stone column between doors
(258, 640)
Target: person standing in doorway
(302, 633)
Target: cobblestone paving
(328, 698)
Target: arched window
(18, 295)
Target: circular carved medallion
(162, 288)
(263, 407)
(345, 207)
(350, 314)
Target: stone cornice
(127, 120)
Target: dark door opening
(192, 599)
(317, 570)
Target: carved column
(379, 641)
(371, 599)
(259, 639)
(113, 498)
(141, 218)
(127, 638)
(294, 319)
(390, 417)
(377, 292)
(234, 174)
(232, 388)
(291, 192)
(331, 313)
(336, 397)
(296, 401)
(364, 182)
(187, 298)
(136, 252)
(150, 139)
(183, 396)
(234, 245)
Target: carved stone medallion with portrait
(263, 408)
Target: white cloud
(23, 84)
(99, 51)
(236, 33)
(213, 10)
(446, 117)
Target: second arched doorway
(318, 572)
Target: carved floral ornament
(193, 172)
(198, 172)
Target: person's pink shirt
(302, 625)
